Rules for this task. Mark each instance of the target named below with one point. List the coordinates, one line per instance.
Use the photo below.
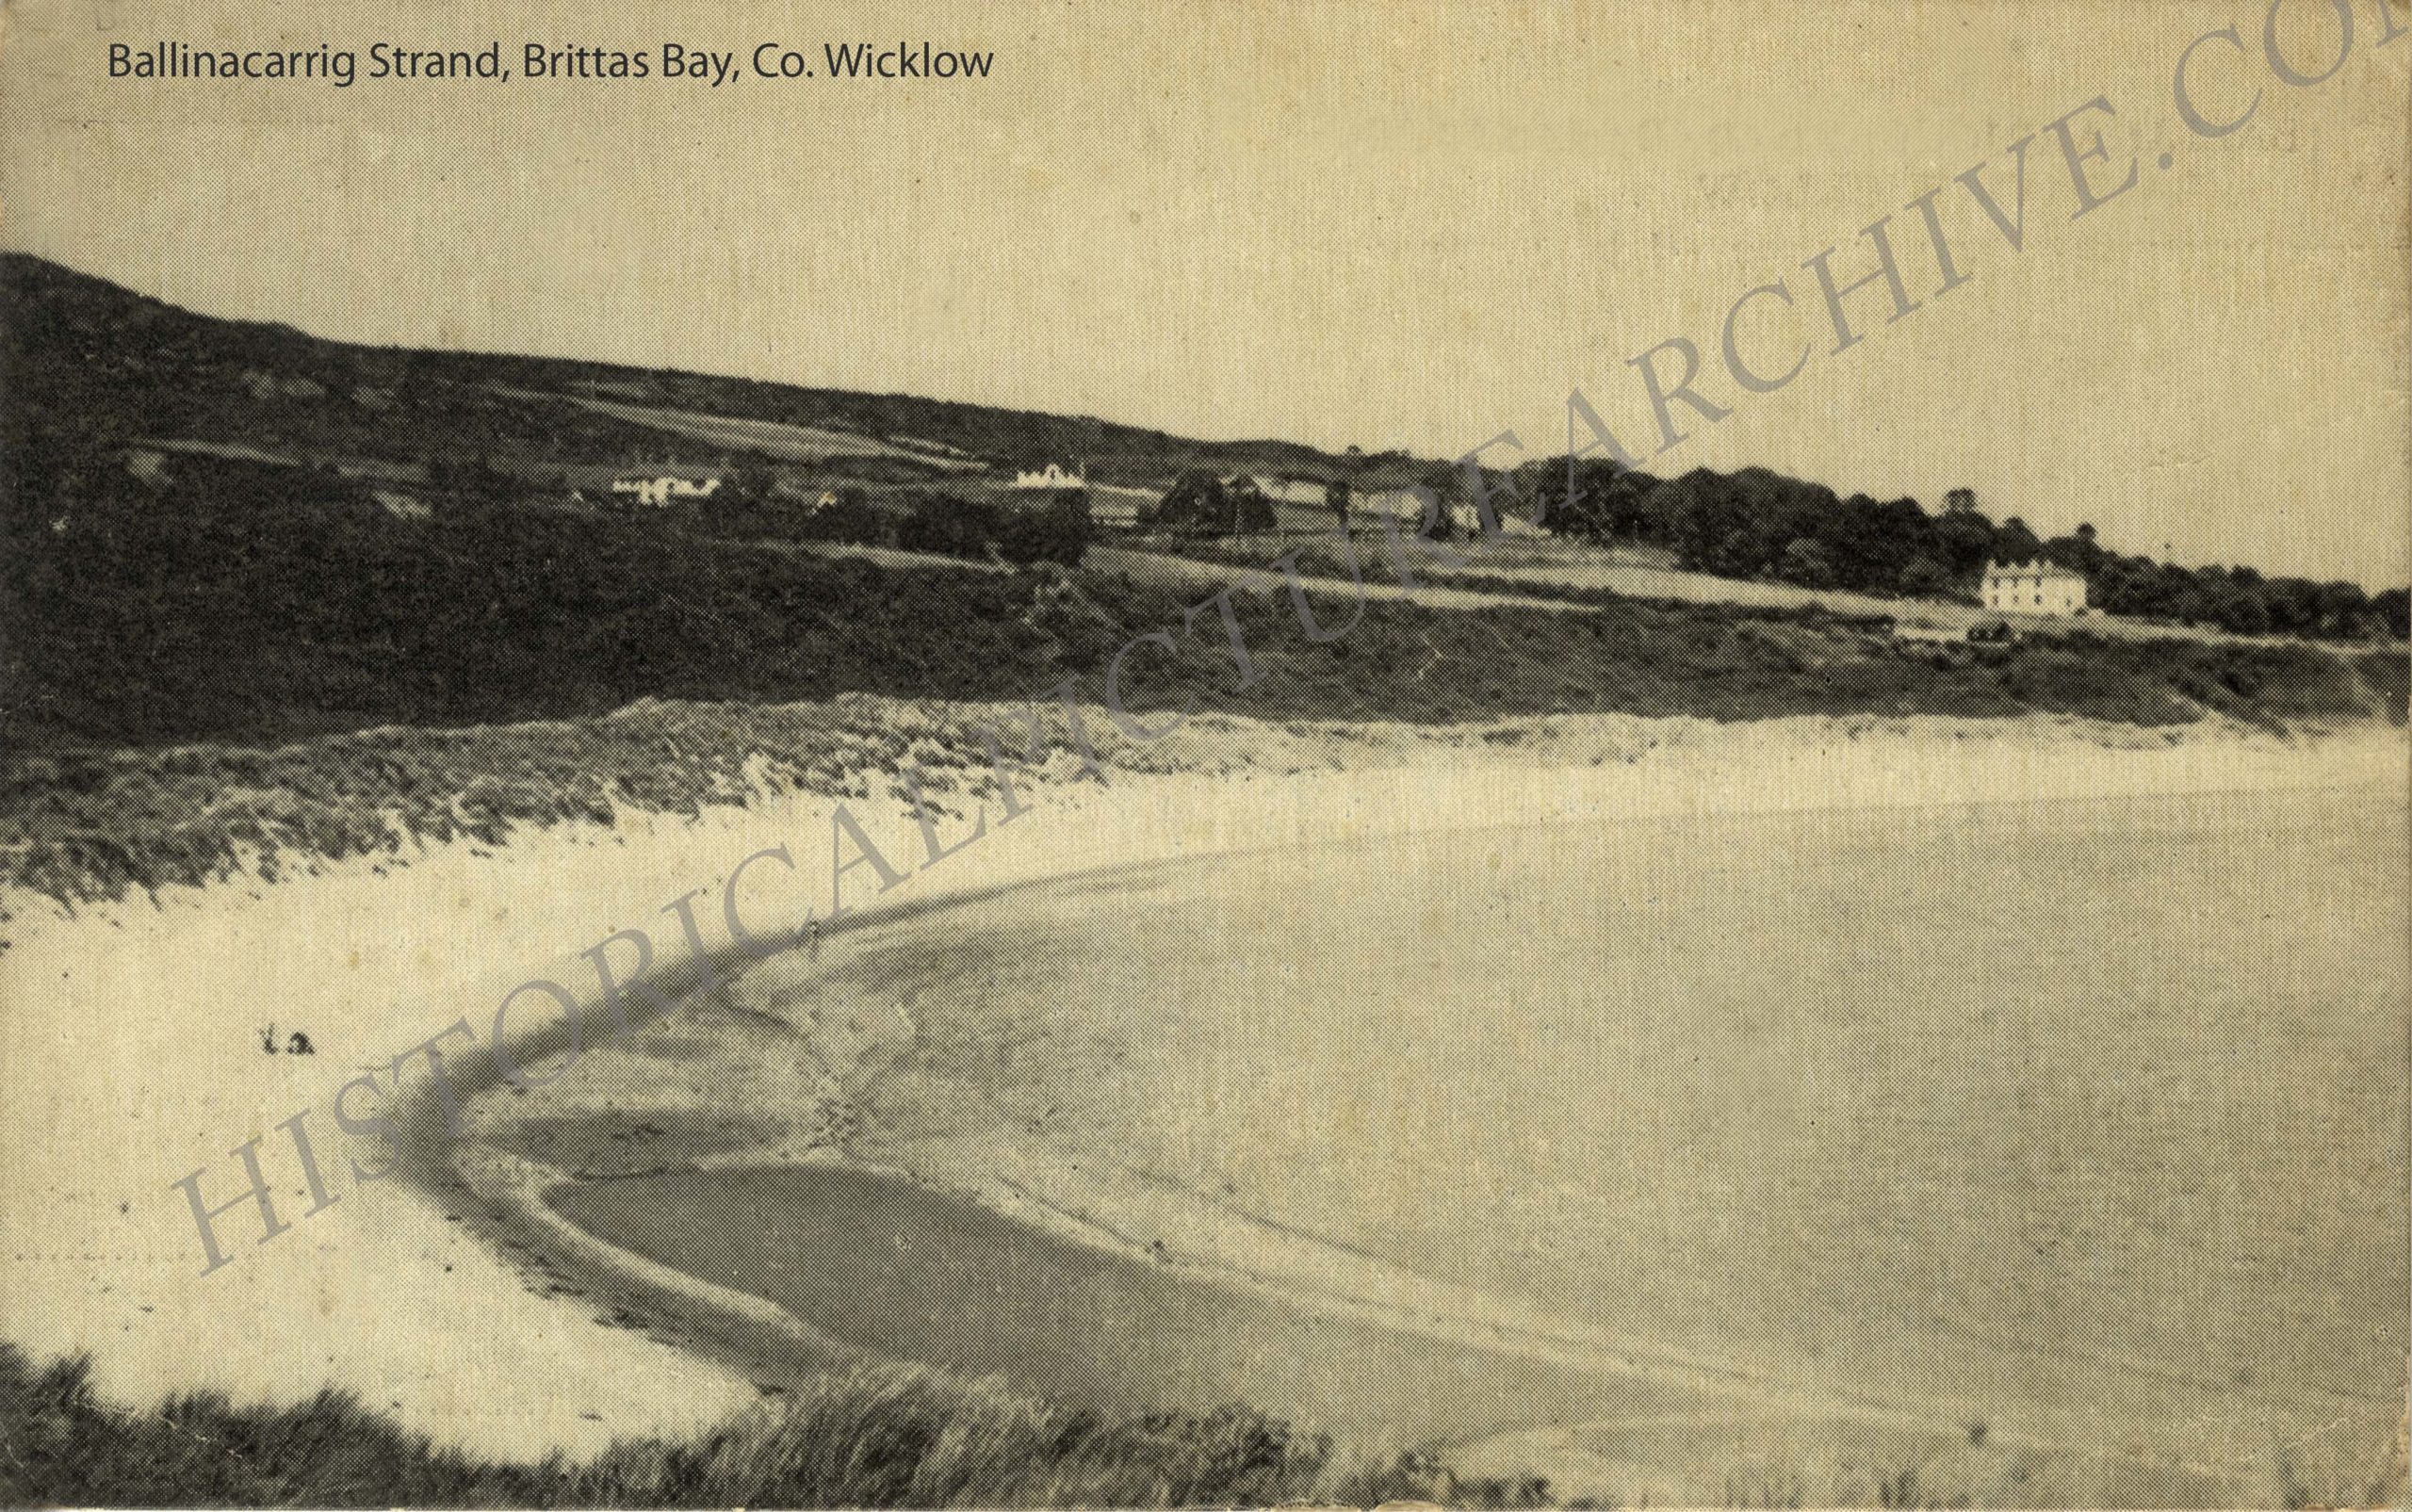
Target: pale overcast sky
(1379, 225)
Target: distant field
(229, 451)
(1572, 566)
(771, 438)
(1162, 568)
(1547, 561)
(891, 557)
(1637, 580)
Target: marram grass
(888, 1437)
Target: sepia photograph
(1176, 754)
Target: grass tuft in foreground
(871, 1437)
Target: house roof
(2031, 569)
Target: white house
(2034, 588)
(1400, 503)
(1052, 477)
(662, 488)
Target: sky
(1379, 224)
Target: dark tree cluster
(252, 602)
(234, 598)
(1201, 504)
(1056, 529)
(1757, 524)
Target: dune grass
(894, 1437)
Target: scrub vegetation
(887, 1437)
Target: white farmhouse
(1052, 477)
(662, 488)
(2033, 588)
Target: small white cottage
(1052, 477)
(662, 488)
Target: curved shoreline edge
(354, 1293)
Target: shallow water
(2085, 1122)
(910, 1273)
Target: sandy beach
(133, 1052)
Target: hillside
(319, 538)
(86, 361)
(87, 357)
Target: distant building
(1119, 507)
(1288, 490)
(2033, 588)
(660, 488)
(1509, 516)
(1411, 506)
(1401, 503)
(1051, 476)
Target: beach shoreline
(353, 1294)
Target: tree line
(751, 502)
(1759, 523)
